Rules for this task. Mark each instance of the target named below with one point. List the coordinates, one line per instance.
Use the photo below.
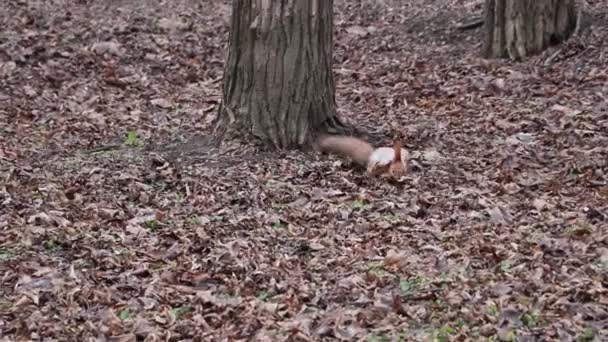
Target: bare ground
(120, 221)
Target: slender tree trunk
(278, 82)
(520, 28)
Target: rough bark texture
(520, 28)
(278, 82)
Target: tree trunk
(278, 82)
(520, 28)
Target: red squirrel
(380, 161)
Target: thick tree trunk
(520, 28)
(278, 82)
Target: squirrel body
(379, 161)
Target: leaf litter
(121, 221)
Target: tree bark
(278, 81)
(521, 28)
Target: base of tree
(227, 127)
(521, 28)
(278, 82)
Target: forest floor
(119, 221)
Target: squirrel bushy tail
(356, 149)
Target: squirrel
(379, 161)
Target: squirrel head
(397, 169)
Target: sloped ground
(119, 221)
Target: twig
(419, 230)
(473, 24)
(104, 148)
(553, 56)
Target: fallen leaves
(120, 220)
